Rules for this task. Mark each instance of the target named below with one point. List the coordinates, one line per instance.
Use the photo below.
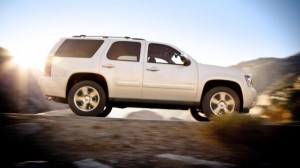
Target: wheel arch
(226, 83)
(77, 77)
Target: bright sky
(219, 32)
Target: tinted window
(124, 51)
(78, 48)
(160, 53)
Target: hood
(209, 72)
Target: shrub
(237, 128)
(249, 137)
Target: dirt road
(73, 141)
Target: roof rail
(126, 37)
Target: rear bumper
(53, 86)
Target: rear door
(122, 66)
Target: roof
(126, 37)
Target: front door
(165, 76)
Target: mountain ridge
(266, 71)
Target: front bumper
(249, 97)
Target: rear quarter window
(78, 48)
(124, 51)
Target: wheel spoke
(230, 102)
(217, 110)
(84, 90)
(226, 110)
(84, 106)
(93, 103)
(94, 94)
(214, 101)
(79, 98)
(223, 96)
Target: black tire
(219, 101)
(198, 114)
(105, 111)
(87, 98)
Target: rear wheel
(87, 98)
(220, 101)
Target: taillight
(48, 66)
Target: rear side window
(78, 48)
(124, 51)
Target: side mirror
(185, 60)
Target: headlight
(249, 80)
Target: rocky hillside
(277, 82)
(267, 71)
(19, 91)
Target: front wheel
(87, 98)
(220, 101)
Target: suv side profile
(94, 74)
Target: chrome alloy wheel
(86, 98)
(222, 103)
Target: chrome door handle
(153, 69)
(108, 66)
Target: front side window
(160, 53)
(78, 48)
(124, 51)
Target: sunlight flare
(28, 56)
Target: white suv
(93, 74)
